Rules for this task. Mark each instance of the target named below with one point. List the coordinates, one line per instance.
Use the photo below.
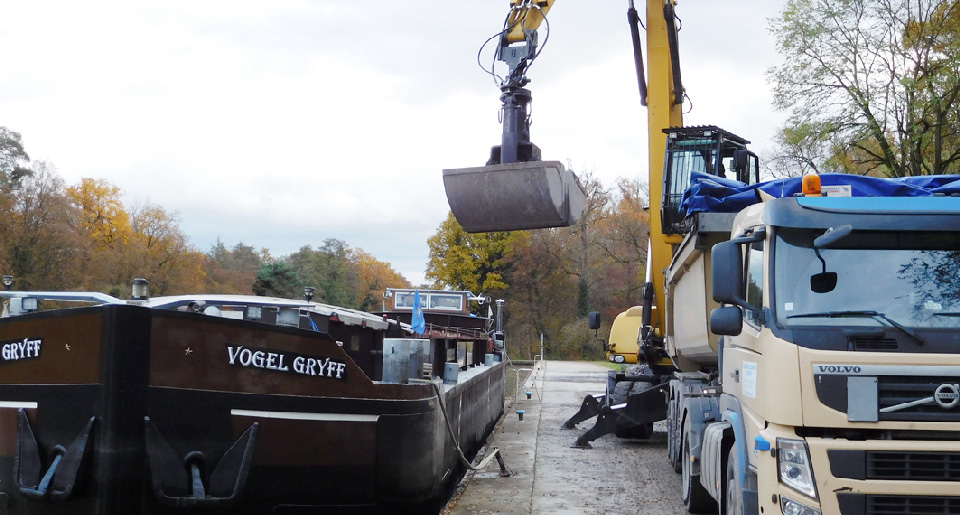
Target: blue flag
(416, 320)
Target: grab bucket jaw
(514, 196)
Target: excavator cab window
(704, 149)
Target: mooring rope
(504, 472)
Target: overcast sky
(283, 123)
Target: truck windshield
(910, 277)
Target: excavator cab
(705, 149)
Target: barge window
(446, 302)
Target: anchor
(185, 483)
(58, 482)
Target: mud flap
(183, 483)
(643, 407)
(58, 482)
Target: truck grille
(893, 390)
(894, 465)
(916, 466)
(874, 344)
(860, 504)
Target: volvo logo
(947, 395)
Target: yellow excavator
(517, 190)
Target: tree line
(83, 237)
(872, 87)
(551, 278)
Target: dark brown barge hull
(146, 402)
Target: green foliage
(331, 271)
(873, 86)
(13, 159)
(278, 280)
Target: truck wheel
(733, 500)
(695, 497)
(673, 436)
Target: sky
(284, 123)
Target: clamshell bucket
(514, 196)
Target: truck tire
(732, 495)
(673, 435)
(695, 497)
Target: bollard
(520, 414)
(450, 372)
(529, 395)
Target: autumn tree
(103, 215)
(233, 270)
(160, 252)
(374, 277)
(39, 244)
(468, 262)
(872, 86)
(623, 234)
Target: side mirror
(727, 269)
(594, 320)
(727, 321)
(823, 282)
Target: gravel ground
(615, 476)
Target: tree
(873, 86)
(278, 280)
(374, 278)
(233, 270)
(467, 262)
(39, 244)
(104, 218)
(622, 236)
(13, 159)
(161, 252)
(330, 270)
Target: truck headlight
(790, 507)
(793, 462)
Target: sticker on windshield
(750, 379)
(788, 306)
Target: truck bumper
(875, 477)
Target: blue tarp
(719, 195)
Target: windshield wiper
(948, 314)
(862, 314)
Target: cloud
(285, 123)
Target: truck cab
(839, 357)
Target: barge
(237, 404)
